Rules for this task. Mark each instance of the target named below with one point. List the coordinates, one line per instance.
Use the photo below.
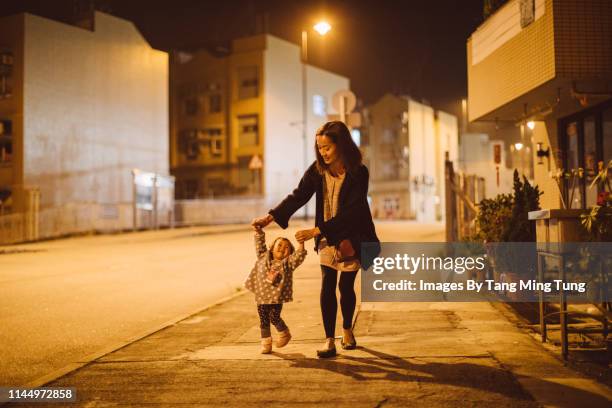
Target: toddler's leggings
(270, 313)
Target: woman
(342, 222)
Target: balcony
(533, 57)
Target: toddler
(271, 280)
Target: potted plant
(598, 221)
(522, 258)
(504, 218)
(493, 215)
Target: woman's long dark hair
(348, 151)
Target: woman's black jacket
(353, 219)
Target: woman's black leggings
(329, 303)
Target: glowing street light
(531, 125)
(322, 27)
(518, 146)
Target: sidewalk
(127, 237)
(410, 354)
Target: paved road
(65, 300)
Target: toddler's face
(281, 249)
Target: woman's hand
(261, 222)
(305, 235)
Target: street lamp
(322, 28)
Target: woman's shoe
(266, 345)
(329, 350)
(348, 341)
(283, 338)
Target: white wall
(325, 84)
(447, 140)
(421, 135)
(283, 159)
(284, 144)
(476, 157)
(95, 106)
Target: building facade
(388, 158)
(236, 120)
(548, 64)
(80, 109)
(407, 143)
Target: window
(245, 175)
(188, 144)
(6, 141)
(192, 188)
(585, 140)
(214, 103)
(193, 141)
(216, 147)
(6, 150)
(187, 90)
(573, 162)
(212, 132)
(590, 160)
(389, 136)
(248, 82)
(391, 206)
(390, 171)
(319, 107)
(191, 106)
(6, 69)
(213, 139)
(606, 130)
(248, 131)
(356, 135)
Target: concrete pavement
(65, 301)
(410, 354)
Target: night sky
(410, 47)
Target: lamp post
(322, 28)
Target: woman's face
(327, 149)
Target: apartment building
(546, 66)
(236, 120)
(407, 142)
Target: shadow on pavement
(388, 367)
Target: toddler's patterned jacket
(265, 292)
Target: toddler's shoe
(266, 345)
(283, 338)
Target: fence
(68, 219)
(13, 228)
(153, 206)
(229, 210)
(463, 193)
